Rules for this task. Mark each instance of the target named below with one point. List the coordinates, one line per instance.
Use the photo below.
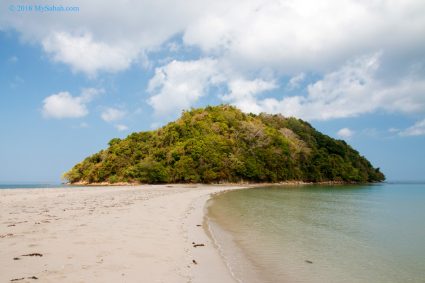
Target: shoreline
(293, 182)
(108, 234)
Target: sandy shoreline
(108, 234)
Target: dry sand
(108, 234)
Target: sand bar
(108, 234)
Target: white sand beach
(108, 234)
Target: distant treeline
(223, 144)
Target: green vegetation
(222, 144)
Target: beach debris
(194, 261)
(198, 245)
(16, 258)
(14, 224)
(199, 225)
(6, 235)
(33, 254)
(308, 261)
(19, 279)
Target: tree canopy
(223, 144)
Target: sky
(75, 74)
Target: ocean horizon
(40, 185)
(31, 185)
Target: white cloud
(242, 93)
(121, 127)
(180, 84)
(306, 35)
(112, 114)
(287, 36)
(64, 105)
(418, 129)
(345, 133)
(351, 90)
(244, 41)
(239, 89)
(84, 54)
(115, 36)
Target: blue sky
(71, 81)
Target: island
(222, 144)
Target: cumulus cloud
(293, 36)
(243, 92)
(112, 114)
(84, 54)
(345, 133)
(116, 37)
(180, 84)
(287, 36)
(418, 129)
(64, 105)
(323, 40)
(351, 90)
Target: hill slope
(223, 144)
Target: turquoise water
(372, 233)
(31, 186)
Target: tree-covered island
(222, 144)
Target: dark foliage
(222, 144)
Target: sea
(32, 186)
(322, 233)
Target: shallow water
(372, 233)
